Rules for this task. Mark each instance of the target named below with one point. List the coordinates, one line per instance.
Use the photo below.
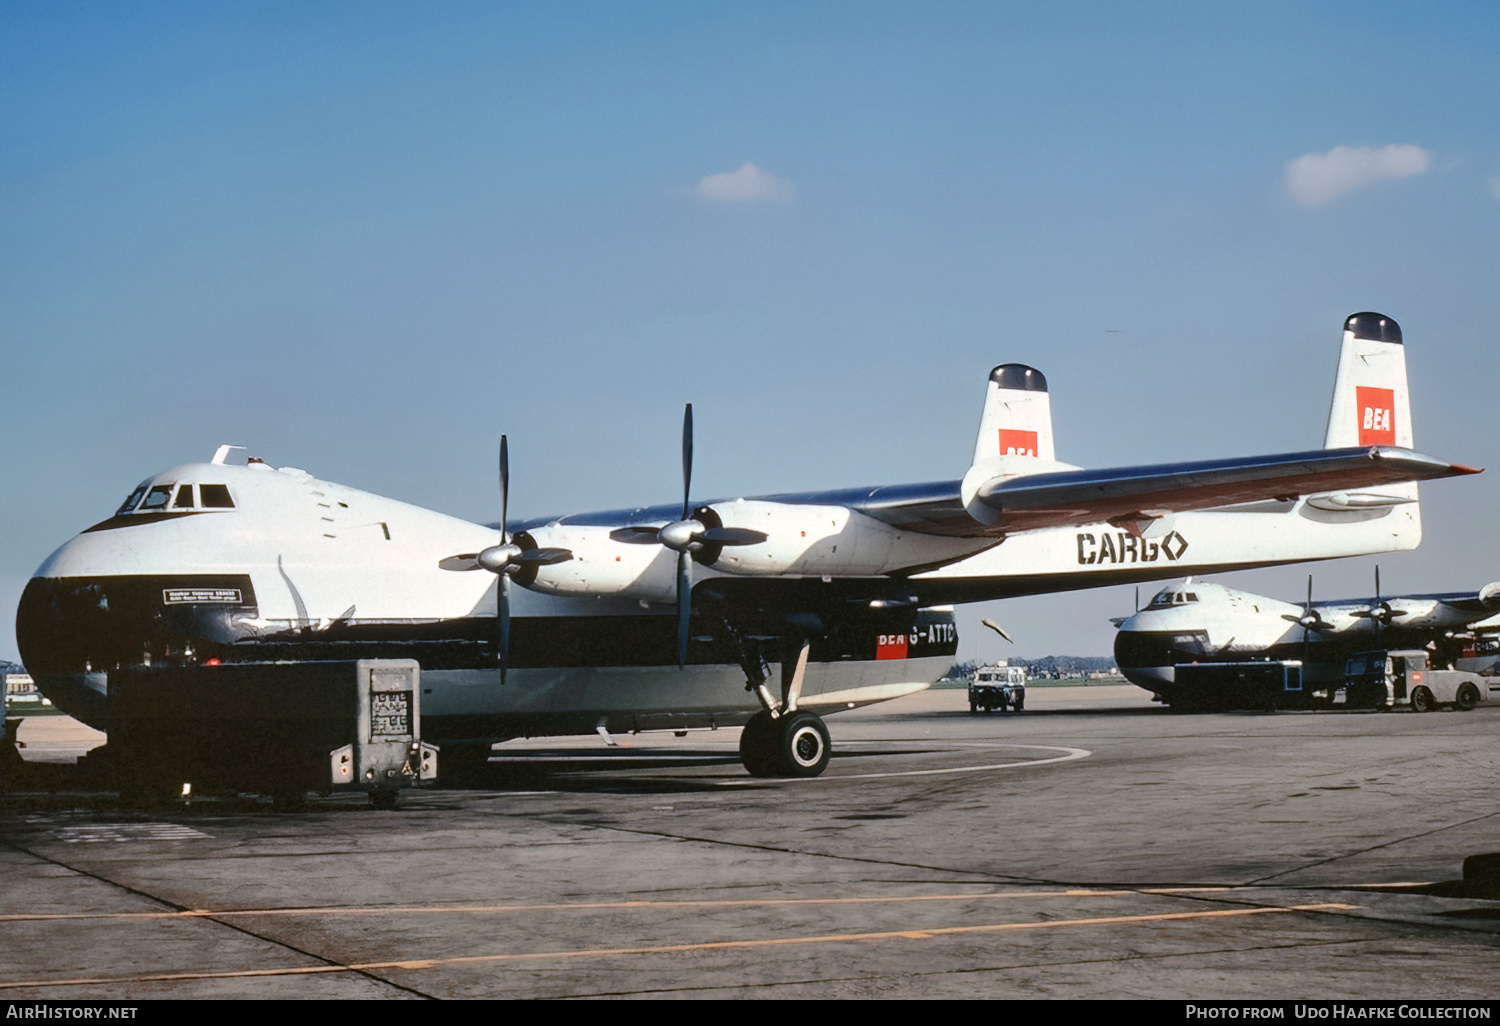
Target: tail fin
(1015, 434)
(1017, 418)
(1371, 405)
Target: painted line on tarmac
(365, 910)
(1069, 755)
(832, 938)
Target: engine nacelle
(808, 540)
(801, 540)
(604, 567)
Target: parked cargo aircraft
(844, 590)
(1203, 622)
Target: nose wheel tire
(794, 745)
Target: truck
(1402, 679)
(996, 687)
(1262, 684)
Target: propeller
(507, 560)
(1310, 620)
(1380, 611)
(688, 536)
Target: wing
(1076, 497)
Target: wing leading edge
(1071, 498)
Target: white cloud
(746, 185)
(1319, 178)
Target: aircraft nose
(1139, 654)
(92, 553)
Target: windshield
(135, 497)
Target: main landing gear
(782, 740)
(793, 744)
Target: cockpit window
(135, 497)
(1172, 598)
(216, 496)
(184, 498)
(157, 497)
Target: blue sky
(366, 238)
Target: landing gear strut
(782, 740)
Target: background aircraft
(1204, 622)
(842, 590)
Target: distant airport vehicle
(1203, 624)
(997, 687)
(673, 616)
(1390, 679)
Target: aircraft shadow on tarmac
(630, 771)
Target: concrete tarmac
(1094, 846)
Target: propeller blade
(636, 535)
(467, 561)
(502, 602)
(544, 557)
(687, 458)
(1306, 635)
(733, 536)
(504, 488)
(684, 605)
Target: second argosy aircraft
(1198, 623)
(841, 591)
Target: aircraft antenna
(992, 625)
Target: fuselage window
(184, 498)
(130, 503)
(157, 497)
(216, 496)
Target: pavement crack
(158, 899)
(1373, 847)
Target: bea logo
(1017, 443)
(1376, 411)
(891, 646)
